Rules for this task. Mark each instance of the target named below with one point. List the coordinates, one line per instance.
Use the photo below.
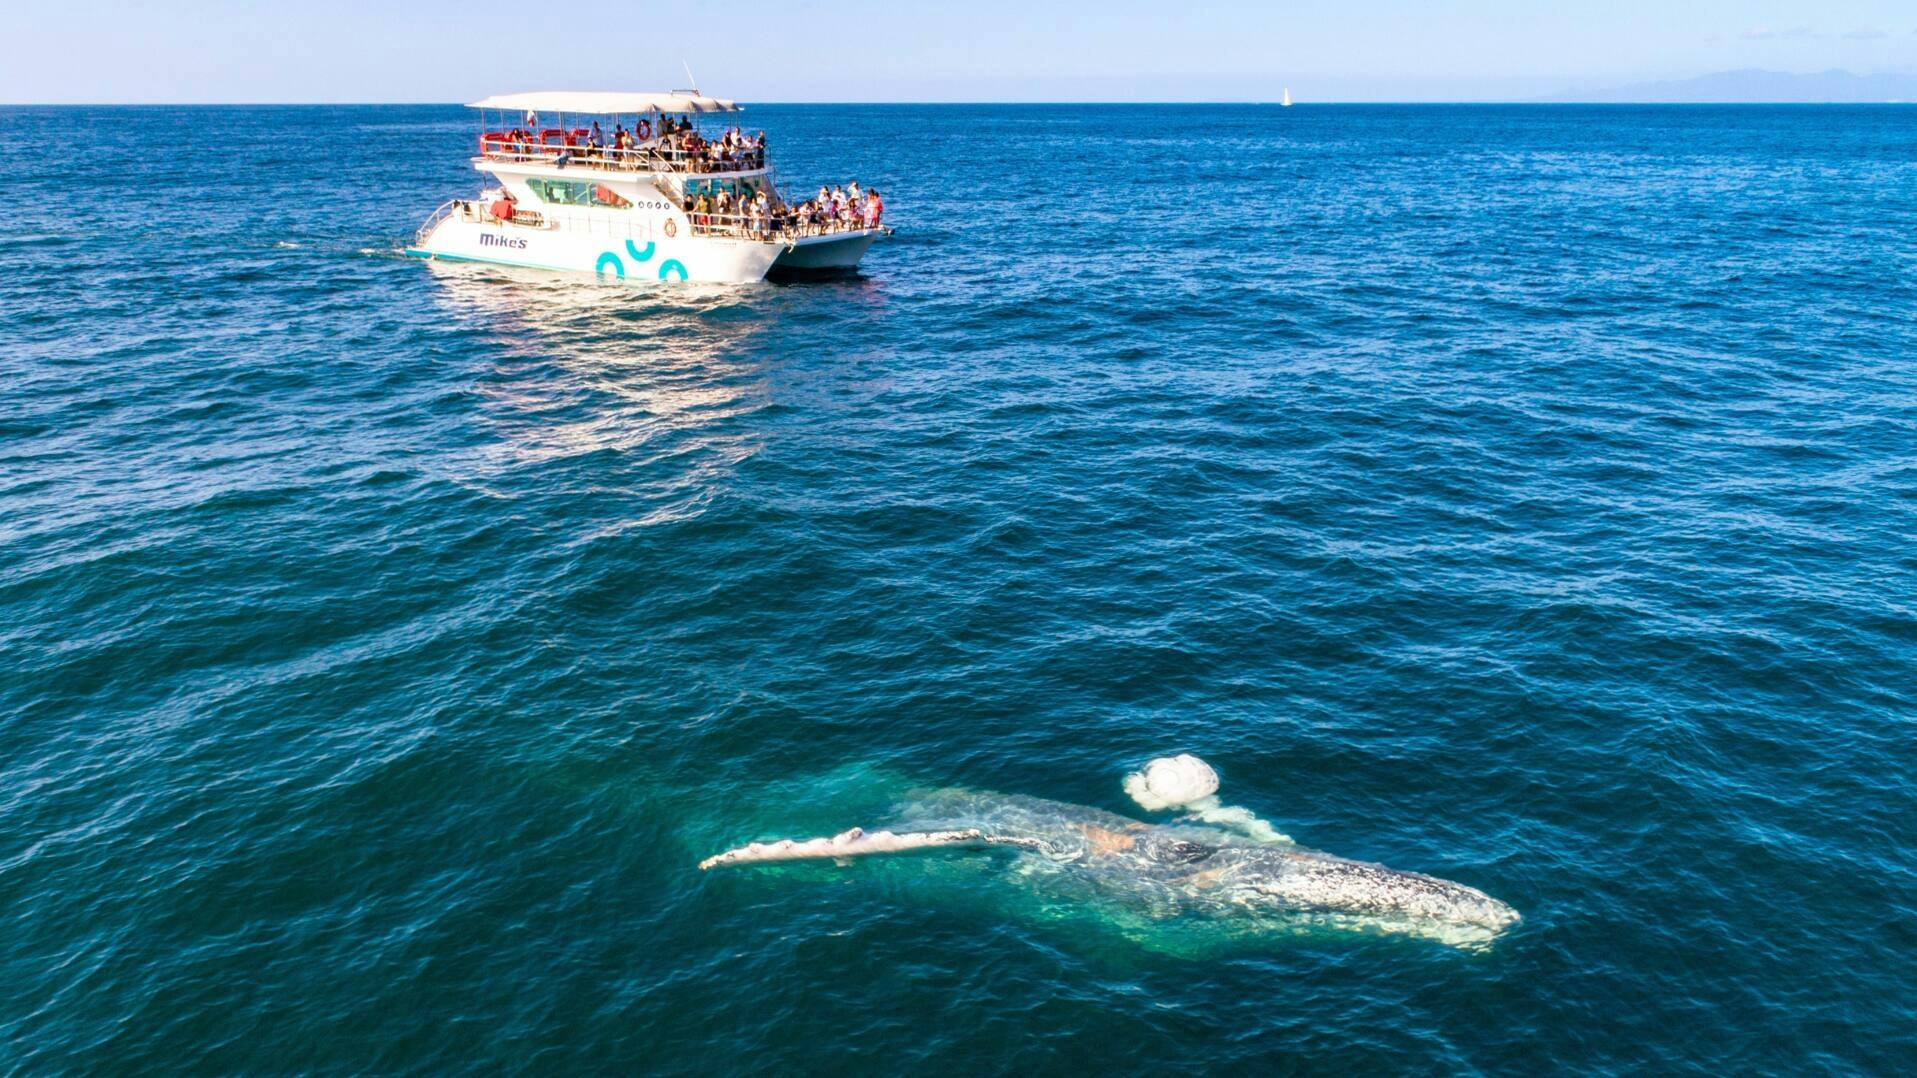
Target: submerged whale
(1214, 863)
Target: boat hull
(825, 254)
(608, 257)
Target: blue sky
(982, 50)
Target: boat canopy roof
(606, 103)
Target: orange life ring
(672, 229)
(644, 130)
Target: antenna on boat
(690, 81)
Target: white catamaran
(656, 200)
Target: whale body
(1163, 872)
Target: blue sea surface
(1526, 496)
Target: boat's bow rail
(446, 209)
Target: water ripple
(1518, 495)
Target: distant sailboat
(1287, 101)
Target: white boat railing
(753, 227)
(710, 225)
(651, 157)
(606, 225)
(444, 211)
(473, 211)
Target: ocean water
(1526, 496)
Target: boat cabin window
(743, 188)
(577, 193)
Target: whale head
(1359, 894)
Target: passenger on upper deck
(677, 146)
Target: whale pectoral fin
(860, 843)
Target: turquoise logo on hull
(611, 259)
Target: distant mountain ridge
(1757, 86)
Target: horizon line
(1156, 103)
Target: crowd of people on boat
(676, 142)
(733, 151)
(838, 208)
(744, 207)
(759, 213)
